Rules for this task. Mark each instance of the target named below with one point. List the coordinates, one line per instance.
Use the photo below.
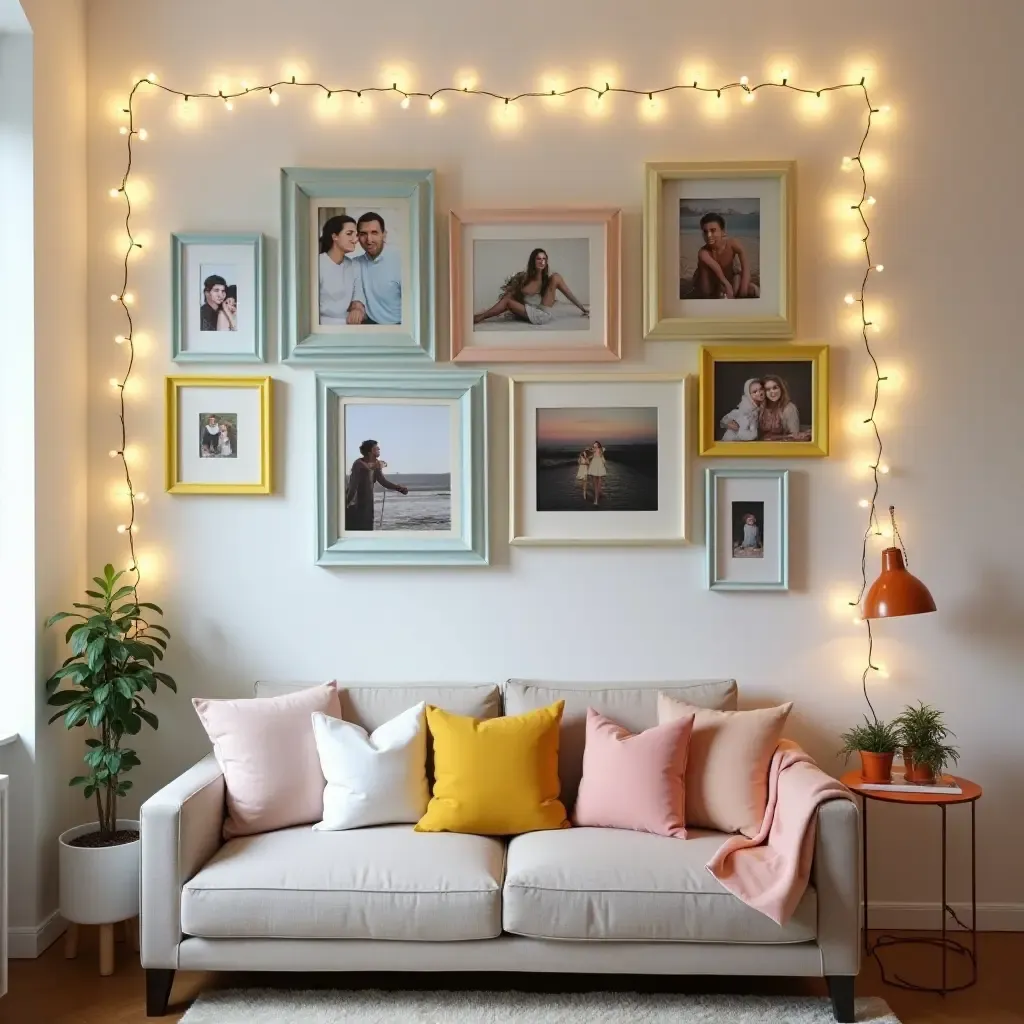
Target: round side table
(970, 794)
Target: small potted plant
(114, 651)
(923, 734)
(876, 742)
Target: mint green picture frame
(780, 477)
(300, 188)
(258, 353)
(471, 546)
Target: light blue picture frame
(301, 187)
(179, 353)
(471, 546)
(712, 478)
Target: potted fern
(923, 735)
(102, 686)
(876, 742)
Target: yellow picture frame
(817, 446)
(172, 462)
(740, 327)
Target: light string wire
(858, 298)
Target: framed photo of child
(719, 259)
(747, 526)
(764, 400)
(219, 435)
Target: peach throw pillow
(727, 766)
(266, 749)
(634, 780)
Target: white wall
(43, 423)
(246, 601)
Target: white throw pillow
(373, 780)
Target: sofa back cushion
(634, 707)
(372, 706)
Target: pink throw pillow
(266, 750)
(634, 781)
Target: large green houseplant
(114, 652)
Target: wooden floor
(52, 990)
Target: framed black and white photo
(747, 526)
(357, 264)
(218, 303)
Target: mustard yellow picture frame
(174, 485)
(817, 446)
(735, 325)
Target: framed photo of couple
(402, 468)
(535, 285)
(719, 250)
(598, 459)
(218, 311)
(764, 400)
(747, 526)
(357, 264)
(218, 434)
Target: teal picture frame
(179, 353)
(470, 546)
(301, 187)
(712, 479)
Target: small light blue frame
(259, 353)
(471, 547)
(711, 479)
(299, 187)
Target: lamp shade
(896, 591)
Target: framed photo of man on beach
(598, 459)
(764, 400)
(357, 264)
(402, 468)
(718, 257)
(535, 285)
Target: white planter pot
(99, 886)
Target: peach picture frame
(464, 351)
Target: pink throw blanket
(770, 871)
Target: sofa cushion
(633, 707)
(617, 885)
(375, 883)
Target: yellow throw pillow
(497, 776)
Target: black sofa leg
(840, 988)
(158, 990)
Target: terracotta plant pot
(914, 772)
(875, 767)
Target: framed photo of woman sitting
(764, 401)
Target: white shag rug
(269, 1006)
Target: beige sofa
(580, 900)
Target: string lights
(434, 102)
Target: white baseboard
(992, 917)
(28, 943)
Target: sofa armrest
(836, 877)
(181, 831)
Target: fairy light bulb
(143, 134)
(870, 201)
(405, 103)
(122, 130)
(744, 81)
(879, 267)
(274, 98)
(436, 104)
(113, 298)
(849, 299)
(122, 528)
(113, 453)
(847, 163)
(128, 298)
(228, 105)
(864, 503)
(883, 468)
(119, 339)
(141, 497)
(114, 193)
(151, 78)
(114, 382)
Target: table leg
(942, 807)
(864, 865)
(974, 901)
(71, 941)
(106, 950)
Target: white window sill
(6, 738)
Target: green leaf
(89, 607)
(79, 780)
(125, 687)
(92, 742)
(164, 678)
(122, 592)
(156, 627)
(59, 616)
(94, 757)
(95, 593)
(75, 716)
(132, 725)
(62, 698)
(148, 717)
(108, 573)
(125, 786)
(53, 718)
(72, 630)
(95, 652)
(113, 761)
(80, 641)
(89, 790)
(97, 714)
(101, 693)
(152, 607)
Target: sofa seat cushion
(616, 885)
(374, 883)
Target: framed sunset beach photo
(598, 459)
